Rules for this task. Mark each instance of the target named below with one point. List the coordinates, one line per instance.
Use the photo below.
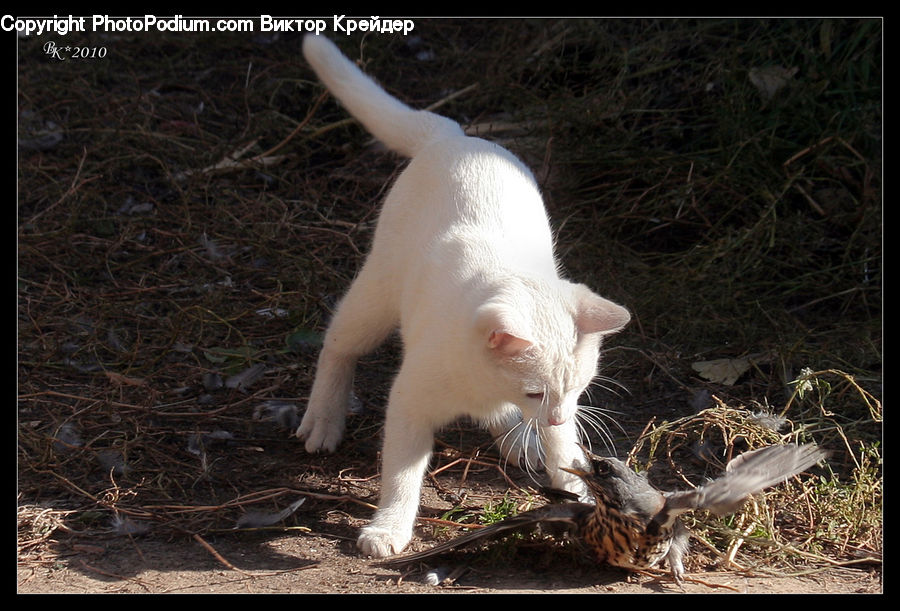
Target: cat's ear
(502, 330)
(506, 344)
(594, 314)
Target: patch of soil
(314, 550)
(325, 564)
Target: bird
(634, 526)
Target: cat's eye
(538, 396)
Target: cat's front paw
(322, 433)
(380, 542)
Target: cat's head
(542, 343)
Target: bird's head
(616, 485)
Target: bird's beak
(577, 472)
(580, 473)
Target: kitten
(462, 262)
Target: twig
(451, 523)
(813, 203)
(217, 555)
(72, 188)
(709, 584)
(511, 483)
(289, 137)
(234, 161)
(451, 96)
(807, 150)
(260, 496)
(638, 443)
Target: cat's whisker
(532, 430)
(595, 421)
(523, 433)
(501, 441)
(596, 418)
(587, 393)
(603, 412)
(604, 382)
(584, 435)
(518, 437)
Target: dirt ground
(327, 563)
(301, 562)
(317, 564)
(313, 551)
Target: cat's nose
(557, 416)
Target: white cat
(462, 262)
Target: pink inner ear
(506, 343)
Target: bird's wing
(748, 474)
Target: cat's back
(467, 180)
(464, 207)
(468, 159)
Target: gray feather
(749, 473)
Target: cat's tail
(388, 119)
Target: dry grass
(192, 206)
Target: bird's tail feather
(566, 513)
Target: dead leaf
(771, 79)
(118, 378)
(722, 371)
